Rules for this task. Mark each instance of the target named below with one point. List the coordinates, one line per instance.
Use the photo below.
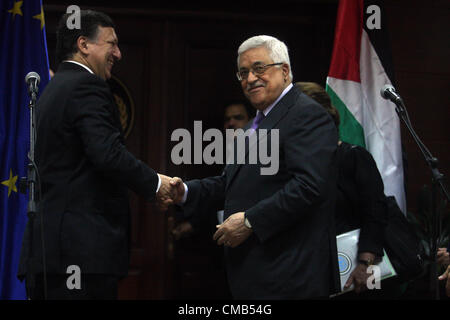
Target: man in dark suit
(279, 230)
(85, 170)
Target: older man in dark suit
(278, 234)
(85, 170)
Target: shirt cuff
(185, 193)
(159, 184)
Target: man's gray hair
(278, 51)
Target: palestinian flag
(360, 67)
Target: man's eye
(259, 69)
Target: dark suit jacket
(85, 171)
(360, 201)
(292, 250)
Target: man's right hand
(446, 276)
(178, 187)
(443, 257)
(170, 192)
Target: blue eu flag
(23, 49)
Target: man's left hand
(358, 278)
(232, 232)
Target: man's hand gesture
(170, 192)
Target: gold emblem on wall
(125, 104)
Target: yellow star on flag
(40, 16)
(16, 9)
(10, 183)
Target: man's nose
(229, 124)
(117, 54)
(251, 77)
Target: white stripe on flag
(381, 123)
(350, 93)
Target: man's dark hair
(66, 39)
(248, 108)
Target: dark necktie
(257, 120)
(259, 117)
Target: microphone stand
(437, 180)
(30, 182)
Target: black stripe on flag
(380, 37)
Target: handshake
(232, 232)
(170, 192)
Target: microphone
(32, 80)
(388, 93)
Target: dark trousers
(93, 287)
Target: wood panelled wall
(419, 35)
(179, 65)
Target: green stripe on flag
(350, 130)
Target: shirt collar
(269, 108)
(80, 64)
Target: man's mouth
(255, 88)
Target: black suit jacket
(85, 171)
(292, 250)
(360, 201)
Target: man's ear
(285, 68)
(82, 44)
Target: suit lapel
(231, 169)
(268, 123)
